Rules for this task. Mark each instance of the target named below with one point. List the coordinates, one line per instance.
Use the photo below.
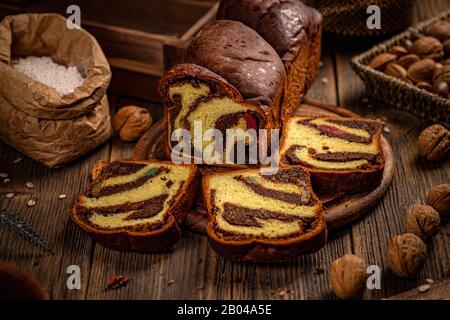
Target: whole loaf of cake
(293, 29)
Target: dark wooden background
(192, 270)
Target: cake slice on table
(342, 154)
(194, 94)
(263, 218)
(137, 205)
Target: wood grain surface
(192, 270)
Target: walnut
(439, 30)
(97, 169)
(381, 60)
(348, 277)
(439, 199)
(397, 71)
(398, 50)
(131, 122)
(408, 60)
(422, 70)
(428, 47)
(442, 74)
(434, 143)
(440, 88)
(423, 221)
(446, 45)
(406, 255)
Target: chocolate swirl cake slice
(194, 94)
(137, 205)
(342, 154)
(259, 218)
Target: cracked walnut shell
(131, 122)
(348, 277)
(439, 199)
(423, 221)
(406, 255)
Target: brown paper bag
(34, 118)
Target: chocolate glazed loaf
(242, 57)
(342, 155)
(193, 93)
(293, 29)
(261, 218)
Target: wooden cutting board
(340, 209)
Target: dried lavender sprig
(15, 223)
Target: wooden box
(140, 38)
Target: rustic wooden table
(192, 270)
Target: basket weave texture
(349, 17)
(398, 93)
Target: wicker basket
(348, 17)
(398, 93)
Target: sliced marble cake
(194, 94)
(342, 154)
(260, 218)
(137, 205)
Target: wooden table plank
(414, 177)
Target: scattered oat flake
(429, 281)
(424, 288)
(29, 185)
(281, 293)
(115, 281)
(10, 195)
(387, 130)
(324, 80)
(6, 180)
(3, 175)
(170, 282)
(320, 64)
(17, 160)
(31, 203)
(62, 196)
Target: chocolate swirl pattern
(246, 205)
(260, 218)
(195, 94)
(343, 155)
(332, 144)
(132, 194)
(137, 205)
